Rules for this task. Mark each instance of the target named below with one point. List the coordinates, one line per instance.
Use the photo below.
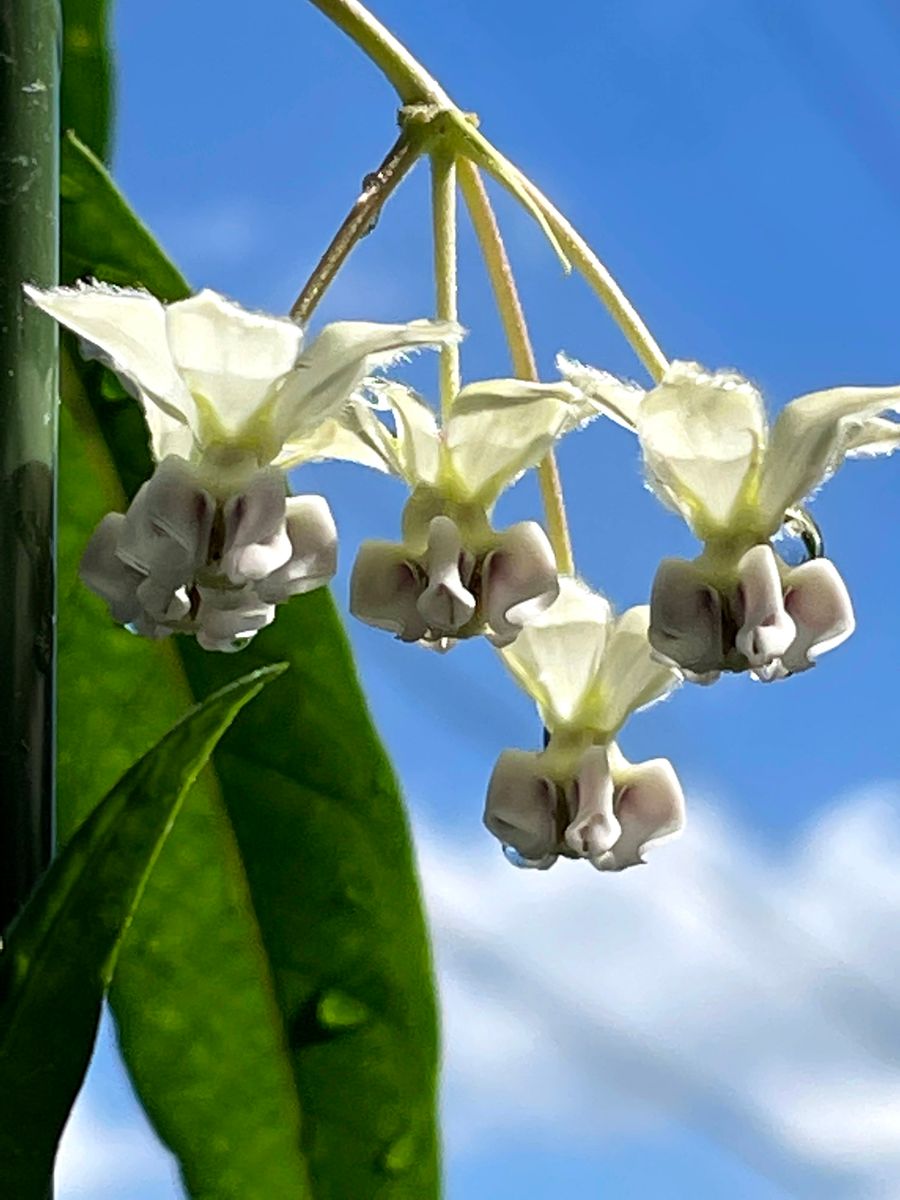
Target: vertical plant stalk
(29, 188)
(361, 219)
(521, 352)
(443, 200)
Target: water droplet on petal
(239, 644)
(337, 1010)
(132, 628)
(519, 860)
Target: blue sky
(737, 164)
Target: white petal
(630, 677)
(810, 439)
(106, 575)
(703, 436)
(649, 805)
(313, 562)
(357, 435)
(165, 605)
(127, 329)
(518, 580)
(499, 428)
(229, 624)
(384, 586)
(876, 436)
(766, 628)
(229, 356)
(337, 362)
(521, 804)
(418, 438)
(557, 656)
(256, 542)
(614, 397)
(686, 618)
(594, 829)
(167, 527)
(818, 601)
(446, 603)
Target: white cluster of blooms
(212, 543)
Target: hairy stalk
(377, 187)
(443, 200)
(509, 306)
(415, 85)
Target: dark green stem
(29, 155)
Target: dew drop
(514, 856)
(400, 1154)
(239, 644)
(132, 628)
(337, 1010)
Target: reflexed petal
(337, 362)
(518, 580)
(229, 356)
(357, 435)
(500, 427)
(630, 677)
(594, 828)
(384, 587)
(446, 603)
(105, 574)
(766, 628)
(126, 330)
(614, 397)
(557, 655)
(811, 437)
(418, 438)
(686, 617)
(256, 542)
(818, 601)
(521, 804)
(649, 805)
(875, 436)
(703, 436)
(313, 562)
(168, 525)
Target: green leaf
(87, 80)
(280, 1028)
(61, 949)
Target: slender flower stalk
(443, 201)
(377, 188)
(521, 352)
(415, 85)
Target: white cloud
(752, 996)
(749, 995)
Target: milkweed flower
(453, 576)
(211, 542)
(711, 455)
(579, 797)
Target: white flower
(711, 455)
(211, 543)
(579, 796)
(453, 576)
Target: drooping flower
(453, 576)
(212, 542)
(579, 797)
(710, 455)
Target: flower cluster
(212, 542)
(710, 455)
